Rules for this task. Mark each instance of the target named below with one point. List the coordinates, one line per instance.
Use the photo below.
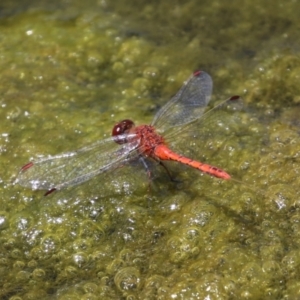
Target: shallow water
(69, 71)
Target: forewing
(215, 128)
(72, 168)
(187, 105)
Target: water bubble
(128, 279)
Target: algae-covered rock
(71, 70)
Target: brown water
(70, 70)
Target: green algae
(70, 72)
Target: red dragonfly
(130, 142)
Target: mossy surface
(69, 71)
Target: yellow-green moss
(69, 72)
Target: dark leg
(168, 172)
(142, 160)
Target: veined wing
(72, 168)
(187, 105)
(213, 128)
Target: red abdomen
(164, 153)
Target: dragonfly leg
(143, 161)
(168, 172)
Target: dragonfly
(130, 142)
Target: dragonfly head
(120, 129)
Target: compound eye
(120, 128)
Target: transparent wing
(187, 105)
(72, 168)
(206, 135)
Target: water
(70, 71)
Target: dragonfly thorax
(148, 139)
